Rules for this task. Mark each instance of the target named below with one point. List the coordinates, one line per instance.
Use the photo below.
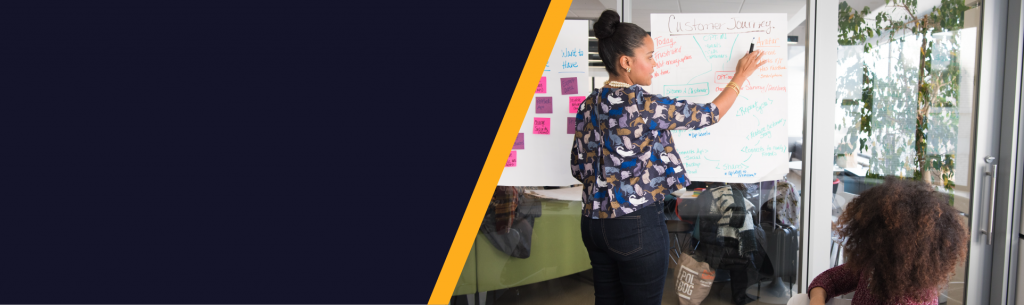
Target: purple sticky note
(543, 86)
(541, 125)
(574, 103)
(543, 104)
(571, 125)
(519, 142)
(511, 162)
(569, 86)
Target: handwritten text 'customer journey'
(696, 56)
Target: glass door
(917, 96)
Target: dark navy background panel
(245, 151)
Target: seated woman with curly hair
(903, 241)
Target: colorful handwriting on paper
(765, 132)
(724, 77)
(574, 103)
(741, 173)
(663, 42)
(757, 106)
(668, 54)
(688, 90)
(542, 87)
(511, 162)
(520, 142)
(541, 125)
(692, 154)
(766, 150)
(698, 134)
(569, 86)
(570, 126)
(571, 54)
(543, 104)
(687, 26)
(765, 42)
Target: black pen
(752, 45)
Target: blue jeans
(630, 256)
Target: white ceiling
(642, 9)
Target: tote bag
(693, 280)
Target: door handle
(991, 197)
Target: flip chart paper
(545, 162)
(696, 56)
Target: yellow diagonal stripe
(500, 148)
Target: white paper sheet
(544, 158)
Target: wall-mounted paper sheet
(545, 162)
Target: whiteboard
(696, 56)
(540, 159)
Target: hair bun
(606, 25)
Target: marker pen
(752, 40)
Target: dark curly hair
(905, 236)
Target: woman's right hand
(748, 65)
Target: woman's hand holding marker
(747, 65)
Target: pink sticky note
(543, 104)
(511, 160)
(543, 86)
(569, 86)
(571, 125)
(574, 103)
(541, 125)
(519, 142)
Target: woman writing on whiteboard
(627, 162)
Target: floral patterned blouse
(623, 152)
